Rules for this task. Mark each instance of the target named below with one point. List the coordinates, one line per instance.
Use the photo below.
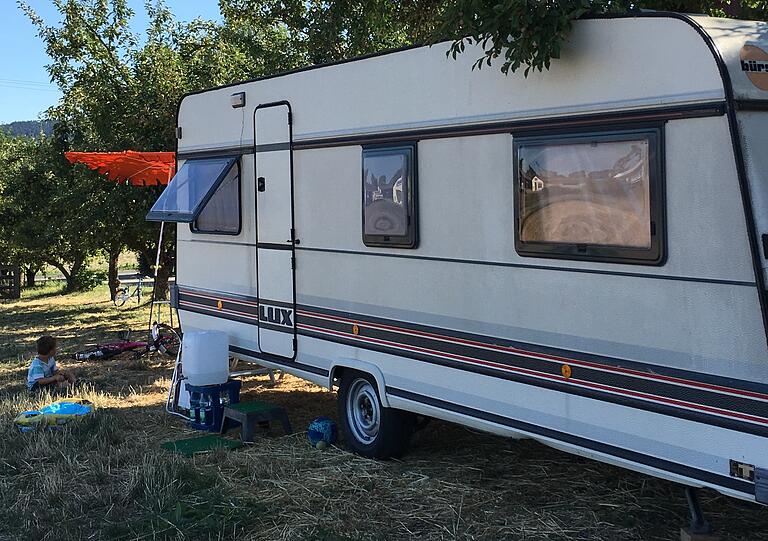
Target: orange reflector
(566, 371)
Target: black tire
(121, 295)
(387, 438)
(166, 340)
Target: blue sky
(25, 89)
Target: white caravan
(577, 257)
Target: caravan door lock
(261, 184)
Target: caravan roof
(649, 60)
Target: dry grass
(107, 478)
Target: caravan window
(389, 196)
(190, 189)
(221, 215)
(594, 196)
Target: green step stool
(250, 414)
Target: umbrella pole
(159, 247)
(154, 282)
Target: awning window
(190, 189)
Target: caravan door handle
(261, 184)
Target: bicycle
(162, 339)
(124, 293)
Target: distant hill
(29, 128)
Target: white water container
(205, 359)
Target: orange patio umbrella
(138, 168)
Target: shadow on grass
(108, 478)
(35, 293)
(106, 475)
(110, 469)
(76, 324)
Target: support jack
(699, 529)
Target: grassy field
(108, 478)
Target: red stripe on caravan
(544, 356)
(215, 310)
(543, 375)
(474, 343)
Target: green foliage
(522, 32)
(35, 190)
(117, 95)
(292, 33)
(120, 91)
(52, 213)
(27, 128)
(89, 279)
(531, 33)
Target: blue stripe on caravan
(714, 401)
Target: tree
(294, 33)
(12, 155)
(119, 93)
(36, 189)
(531, 33)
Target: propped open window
(190, 189)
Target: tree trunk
(66, 273)
(73, 282)
(112, 258)
(161, 281)
(71, 275)
(29, 276)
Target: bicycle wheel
(121, 295)
(165, 339)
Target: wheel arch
(339, 365)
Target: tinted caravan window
(590, 197)
(190, 189)
(221, 215)
(389, 196)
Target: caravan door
(275, 235)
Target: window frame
(411, 238)
(191, 216)
(193, 225)
(656, 254)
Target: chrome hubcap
(363, 411)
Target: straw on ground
(108, 478)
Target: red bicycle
(163, 339)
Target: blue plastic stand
(207, 403)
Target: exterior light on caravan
(237, 100)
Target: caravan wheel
(369, 428)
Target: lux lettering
(279, 316)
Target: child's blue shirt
(40, 369)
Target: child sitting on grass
(43, 372)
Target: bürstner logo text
(757, 66)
